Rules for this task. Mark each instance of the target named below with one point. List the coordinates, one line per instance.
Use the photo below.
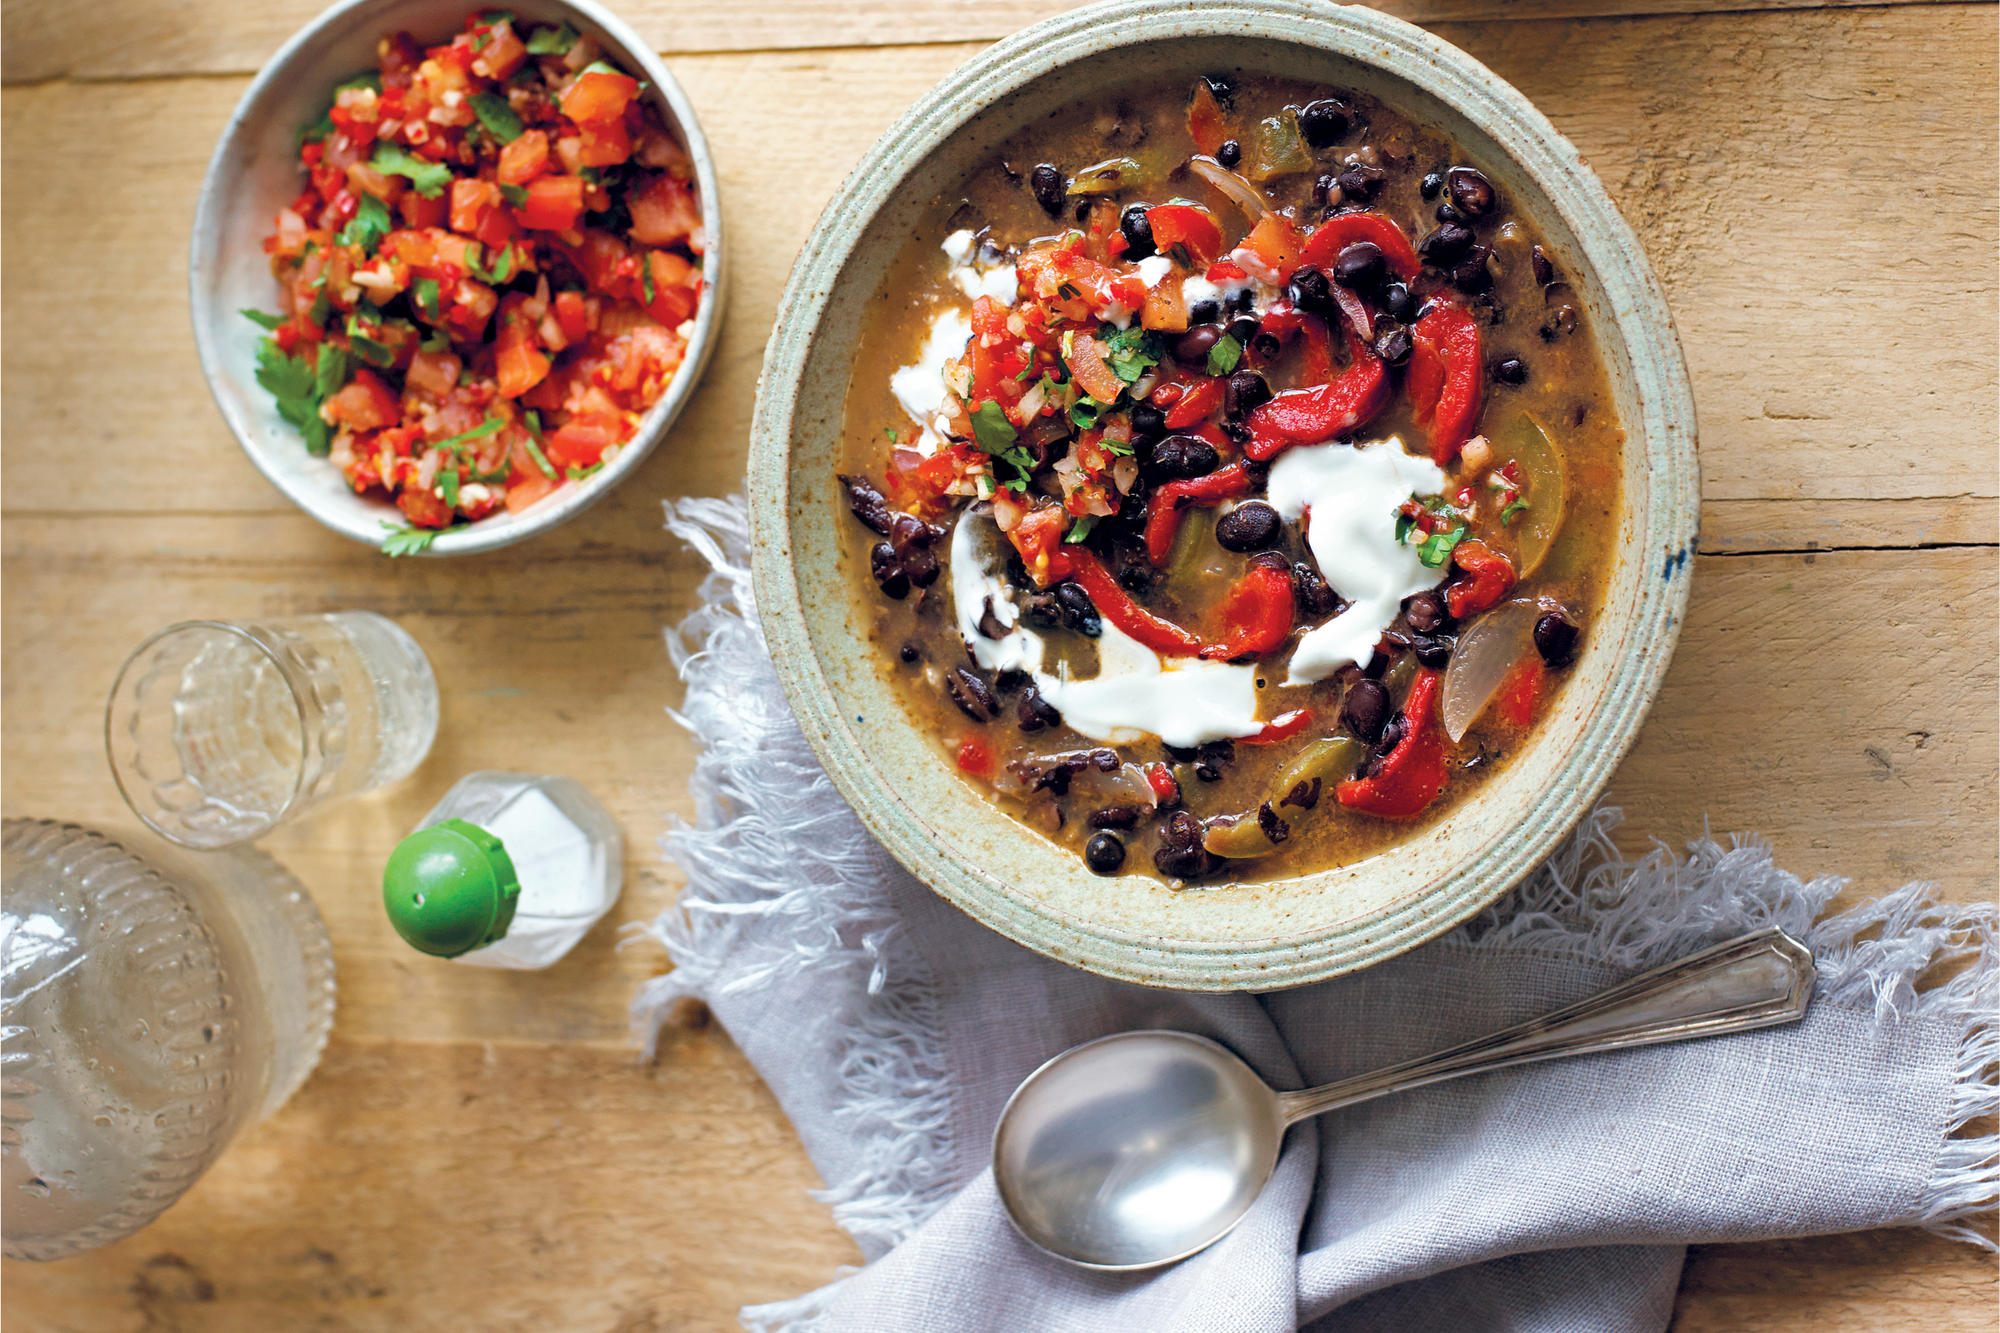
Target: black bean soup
(1233, 476)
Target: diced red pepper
(1489, 576)
(1189, 226)
(974, 757)
(1163, 784)
(1163, 514)
(554, 203)
(1344, 229)
(1445, 377)
(1116, 605)
(1257, 614)
(1308, 416)
(1276, 242)
(1281, 728)
(598, 97)
(1198, 403)
(1413, 774)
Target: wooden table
(1815, 184)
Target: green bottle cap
(450, 888)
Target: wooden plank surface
(1817, 190)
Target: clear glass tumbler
(218, 731)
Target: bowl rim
(557, 509)
(1664, 428)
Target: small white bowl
(255, 173)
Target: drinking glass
(219, 731)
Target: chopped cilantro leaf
(1404, 525)
(1085, 411)
(1023, 464)
(484, 428)
(1435, 551)
(517, 195)
(289, 381)
(448, 486)
(1178, 252)
(991, 428)
(1131, 352)
(534, 443)
(502, 270)
(261, 319)
(646, 279)
(315, 132)
(379, 355)
(331, 372)
(439, 341)
(1224, 356)
(552, 41)
(427, 178)
(425, 292)
(603, 67)
(322, 307)
(371, 223)
(367, 78)
(496, 116)
(1118, 448)
(1080, 529)
(1508, 514)
(409, 541)
(580, 473)
(494, 17)
(1027, 372)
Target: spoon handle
(1754, 981)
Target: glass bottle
(153, 1002)
(508, 870)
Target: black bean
(1402, 306)
(1446, 244)
(1204, 312)
(1116, 816)
(1361, 182)
(1083, 211)
(1432, 185)
(1192, 348)
(1229, 154)
(971, 695)
(1433, 650)
(1446, 213)
(1193, 864)
(1223, 87)
(1471, 192)
(1243, 303)
(1244, 391)
(1426, 611)
(907, 530)
(1392, 342)
(888, 571)
(1041, 610)
(1248, 527)
(1325, 187)
(1312, 292)
(1545, 272)
(1138, 232)
(1274, 829)
(1365, 709)
(1471, 275)
(920, 566)
(1181, 832)
(1047, 183)
(1104, 853)
(868, 504)
(1391, 737)
(1303, 795)
(1311, 593)
(1511, 371)
(1148, 422)
(1034, 712)
(1266, 345)
(1104, 761)
(1243, 328)
(911, 652)
(1555, 639)
(1185, 456)
(1361, 267)
(1324, 123)
(1078, 611)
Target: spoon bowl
(1135, 1149)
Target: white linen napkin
(1552, 1198)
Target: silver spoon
(1139, 1149)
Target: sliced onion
(1241, 192)
(1533, 533)
(1486, 652)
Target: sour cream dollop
(997, 281)
(1352, 494)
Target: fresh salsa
(1244, 484)
(490, 273)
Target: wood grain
(114, 39)
(481, 1151)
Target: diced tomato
(366, 403)
(605, 145)
(975, 758)
(584, 440)
(1277, 243)
(436, 373)
(554, 203)
(400, 56)
(520, 364)
(598, 97)
(528, 491)
(672, 301)
(524, 159)
(1091, 371)
(1189, 226)
(1196, 405)
(1165, 309)
(424, 509)
(472, 202)
(663, 213)
(606, 263)
(1205, 123)
(419, 212)
(571, 315)
(501, 55)
(1036, 536)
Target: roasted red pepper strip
(1197, 404)
(1515, 700)
(1412, 774)
(1344, 229)
(1257, 616)
(1116, 605)
(1163, 516)
(1448, 338)
(1489, 576)
(1308, 416)
(1280, 728)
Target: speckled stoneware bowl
(254, 173)
(1132, 926)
